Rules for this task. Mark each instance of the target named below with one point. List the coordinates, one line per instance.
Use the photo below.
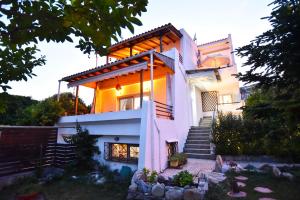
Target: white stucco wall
(189, 51)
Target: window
(226, 98)
(122, 152)
(172, 148)
(130, 103)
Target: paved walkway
(194, 166)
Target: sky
(210, 20)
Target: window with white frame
(131, 103)
(122, 152)
(226, 98)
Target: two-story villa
(158, 86)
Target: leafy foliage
(150, 176)
(183, 178)
(274, 62)
(85, 148)
(47, 112)
(227, 134)
(11, 107)
(44, 113)
(67, 102)
(25, 23)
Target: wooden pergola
(155, 38)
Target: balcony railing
(164, 110)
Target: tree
(67, 102)
(12, 106)
(274, 60)
(48, 111)
(25, 23)
(44, 113)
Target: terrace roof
(146, 41)
(121, 66)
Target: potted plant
(174, 161)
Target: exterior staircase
(198, 140)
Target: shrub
(227, 134)
(183, 178)
(150, 176)
(85, 149)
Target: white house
(159, 85)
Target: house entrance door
(209, 101)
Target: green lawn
(282, 188)
(68, 189)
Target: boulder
(287, 175)
(192, 194)
(158, 190)
(144, 187)
(174, 194)
(276, 171)
(218, 164)
(135, 196)
(101, 180)
(138, 175)
(266, 168)
(133, 187)
(250, 167)
(161, 179)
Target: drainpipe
(151, 111)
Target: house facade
(152, 89)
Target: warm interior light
(118, 90)
(146, 86)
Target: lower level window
(122, 152)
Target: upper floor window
(226, 99)
(131, 103)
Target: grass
(282, 188)
(70, 189)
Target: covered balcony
(124, 84)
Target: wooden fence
(25, 148)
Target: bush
(150, 177)
(227, 134)
(85, 149)
(183, 178)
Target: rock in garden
(250, 167)
(135, 196)
(143, 186)
(241, 178)
(133, 187)
(276, 171)
(101, 180)
(174, 194)
(161, 179)
(158, 190)
(240, 194)
(266, 168)
(191, 194)
(138, 175)
(264, 190)
(218, 164)
(287, 175)
(169, 188)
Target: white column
(152, 111)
